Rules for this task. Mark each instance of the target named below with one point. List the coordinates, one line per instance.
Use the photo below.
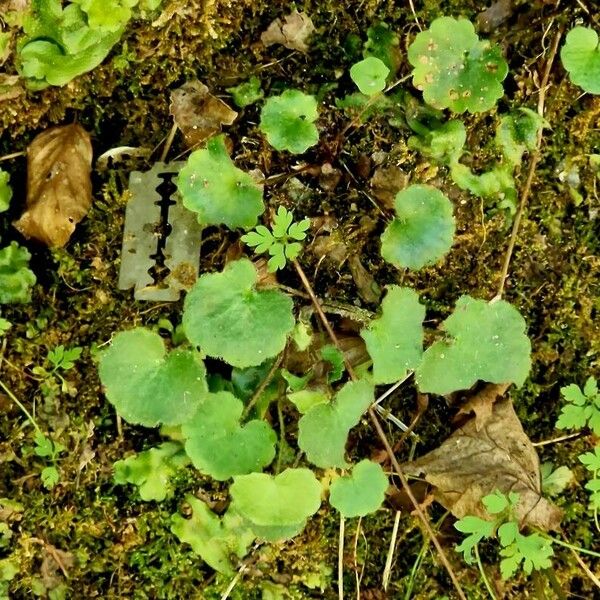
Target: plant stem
(264, 383)
(22, 407)
(415, 569)
(570, 546)
(281, 436)
(341, 558)
(483, 575)
(382, 436)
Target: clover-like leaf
(369, 75)
(395, 339)
(219, 446)
(477, 530)
(229, 318)
(16, 279)
(214, 188)
(485, 341)
(146, 385)
(152, 470)
(360, 493)
(276, 506)
(212, 538)
(423, 229)
(455, 69)
(5, 191)
(288, 121)
(323, 430)
(581, 58)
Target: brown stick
(382, 436)
(535, 159)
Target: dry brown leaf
(59, 188)
(366, 285)
(293, 32)
(386, 183)
(198, 113)
(482, 403)
(471, 464)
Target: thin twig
(535, 159)
(341, 558)
(387, 570)
(234, 582)
(383, 437)
(168, 143)
(13, 155)
(358, 576)
(562, 438)
(587, 570)
(263, 385)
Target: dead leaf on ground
(473, 463)
(366, 285)
(482, 403)
(386, 183)
(59, 188)
(293, 32)
(198, 113)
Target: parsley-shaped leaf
(229, 318)
(583, 407)
(477, 529)
(533, 550)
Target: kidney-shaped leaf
(369, 75)
(395, 339)
(282, 500)
(486, 341)
(323, 430)
(360, 493)
(229, 318)
(219, 446)
(214, 188)
(148, 386)
(423, 229)
(581, 58)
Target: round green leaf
(288, 121)
(148, 386)
(214, 188)
(281, 500)
(360, 493)
(455, 69)
(486, 341)
(5, 191)
(423, 229)
(323, 430)
(219, 446)
(369, 75)
(229, 318)
(395, 339)
(581, 58)
(16, 279)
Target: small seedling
(214, 188)
(581, 58)
(247, 93)
(60, 359)
(455, 69)
(282, 242)
(369, 75)
(5, 191)
(383, 43)
(46, 448)
(591, 460)
(423, 229)
(583, 408)
(288, 121)
(529, 552)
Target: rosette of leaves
(485, 341)
(152, 470)
(5, 191)
(361, 492)
(229, 318)
(423, 229)
(455, 69)
(276, 507)
(64, 41)
(219, 446)
(580, 56)
(395, 339)
(149, 386)
(282, 242)
(288, 121)
(214, 188)
(16, 279)
(369, 75)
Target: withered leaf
(198, 113)
(366, 285)
(386, 183)
(482, 403)
(293, 32)
(59, 188)
(473, 463)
